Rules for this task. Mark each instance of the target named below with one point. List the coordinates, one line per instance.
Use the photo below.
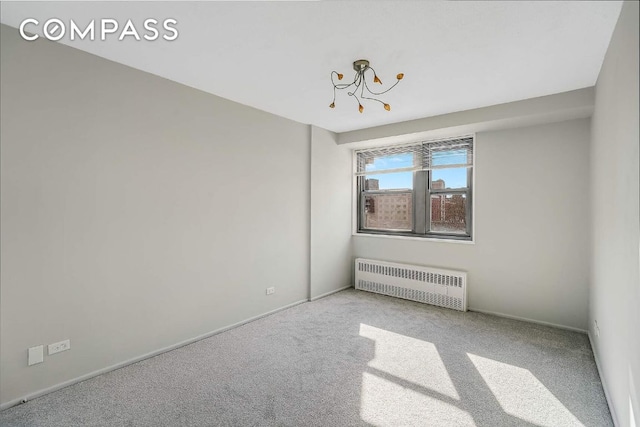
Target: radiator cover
(435, 286)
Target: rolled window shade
(390, 159)
(451, 153)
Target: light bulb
(332, 105)
(376, 79)
(361, 108)
(400, 76)
(340, 76)
(387, 107)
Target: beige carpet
(353, 358)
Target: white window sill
(420, 239)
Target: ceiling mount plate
(360, 64)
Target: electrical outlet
(596, 329)
(271, 290)
(59, 346)
(36, 355)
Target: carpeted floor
(352, 358)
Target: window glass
(391, 211)
(389, 181)
(450, 178)
(448, 213)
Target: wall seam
(310, 216)
(612, 410)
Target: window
(422, 189)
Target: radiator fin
(444, 288)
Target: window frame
(422, 192)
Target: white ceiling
(277, 56)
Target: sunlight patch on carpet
(409, 359)
(385, 403)
(522, 395)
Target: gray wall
(331, 167)
(615, 279)
(530, 254)
(136, 212)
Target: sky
(453, 178)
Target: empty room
(319, 213)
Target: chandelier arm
(357, 99)
(332, 82)
(359, 80)
(380, 93)
(355, 95)
(392, 86)
(371, 98)
(341, 85)
(370, 68)
(374, 75)
(370, 91)
(374, 99)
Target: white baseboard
(85, 377)
(326, 294)
(604, 383)
(524, 319)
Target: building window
(423, 189)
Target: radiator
(444, 288)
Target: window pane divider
(409, 191)
(412, 169)
(380, 172)
(450, 191)
(458, 165)
(420, 206)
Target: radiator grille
(444, 288)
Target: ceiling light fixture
(360, 83)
